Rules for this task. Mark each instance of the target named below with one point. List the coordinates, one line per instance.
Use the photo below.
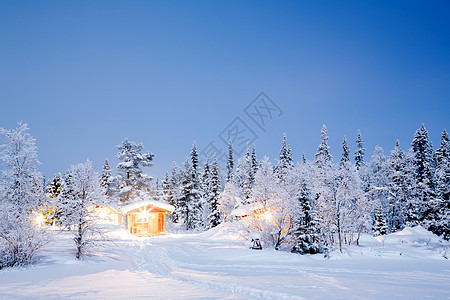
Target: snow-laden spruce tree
(109, 183)
(167, 190)
(380, 227)
(213, 196)
(20, 198)
(440, 221)
(284, 161)
(359, 152)
(254, 162)
(377, 191)
(305, 222)
(230, 162)
(423, 190)
(54, 189)
(195, 201)
(178, 182)
(133, 181)
(205, 190)
(399, 181)
(78, 207)
(323, 188)
(243, 176)
(188, 195)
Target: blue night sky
(86, 74)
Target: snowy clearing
(216, 265)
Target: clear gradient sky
(86, 74)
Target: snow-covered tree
(133, 179)
(440, 215)
(380, 227)
(271, 209)
(230, 162)
(190, 195)
(21, 197)
(213, 195)
(345, 158)
(349, 202)
(254, 162)
(77, 210)
(376, 178)
(305, 223)
(323, 188)
(359, 152)
(284, 163)
(106, 175)
(167, 190)
(243, 176)
(423, 190)
(53, 190)
(178, 182)
(229, 200)
(398, 182)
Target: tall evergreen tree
(167, 192)
(359, 152)
(194, 216)
(230, 162)
(242, 177)
(106, 175)
(443, 168)
(345, 152)
(306, 235)
(54, 189)
(284, 162)
(323, 187)
(254, 163)
(178, 183)
(380, 227)
(133, 179)
(398, 181)
(423, 162)
(440, 218)
(214, 193)
(106, 181)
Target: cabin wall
(155, 224)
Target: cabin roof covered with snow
(157, 204)
(245, 210)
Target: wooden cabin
(144, 218)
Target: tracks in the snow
(155, 259)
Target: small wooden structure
(144, 218)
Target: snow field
(216, 265)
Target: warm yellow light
(143, 215)
(267, 215)
(40, 219)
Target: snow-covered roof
(245, 210)
(160, 205)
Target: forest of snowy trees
(304, 207)
(307, 206)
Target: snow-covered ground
(216, 265)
